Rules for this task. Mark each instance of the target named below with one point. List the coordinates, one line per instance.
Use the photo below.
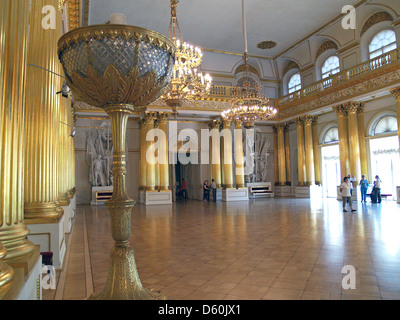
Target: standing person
(214, 189)
(206, 191)
(351, 183)
(184, 192)
(346, 196)
(377, 187)
(364, 187)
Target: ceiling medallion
(187, 81)
(264, 45)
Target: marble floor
(271, 249)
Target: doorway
(330, 170)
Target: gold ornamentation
(374, 19)
(327, 45)
(396, 93)
(242, 68)
(265, 45)
(291, 65)
(97, 90)
(74, 9)
(119, 95)
(6, 272)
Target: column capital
(163, 117)
(309, 119)
(238, 124)
(280, 127)
(340, 111)
(214, 124)
(149, 117)
(226, 124)
(354, 107)
(396, 93)
(299, 121)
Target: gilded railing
(343, 76)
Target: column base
(27, 281)
(219, 195)
(50, 236)
(233, 194)
(312, 191)
(69, 214)
(149, 198)
(283, 191)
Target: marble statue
(99, 169)
(257, 147)
(99, 150)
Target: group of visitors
(206, 190)
(346, 190)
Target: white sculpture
(99, 156)
(99, 169)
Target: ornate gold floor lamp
(118, 68)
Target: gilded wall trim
(374, 19)
(327, 45)
(291, 65)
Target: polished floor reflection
(264, 249)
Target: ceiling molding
(362, 2)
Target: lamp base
(123, 280)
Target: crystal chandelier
(249, 105)
(187, 82)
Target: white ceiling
(217, 24)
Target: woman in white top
(345, 188)
(377, 189)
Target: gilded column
(317, 160)
(355, 164)
(142, 163)
(164, 159)
(287, 154)
(343, 140)
(45, 129)
(63, 163)
(239, 156)
(309, 148)
(14, 21)
(227, 160)
(215, 152)
(301, 163)
(361, 140)
(281, 153)
(396, 94)
(149, 119)
(157, 155)
(276, 156)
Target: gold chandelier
(187, 81)
(249, 105)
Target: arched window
(331, 136)
(384, 41)
(294, 83)
(330, 67)
(387, 124)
